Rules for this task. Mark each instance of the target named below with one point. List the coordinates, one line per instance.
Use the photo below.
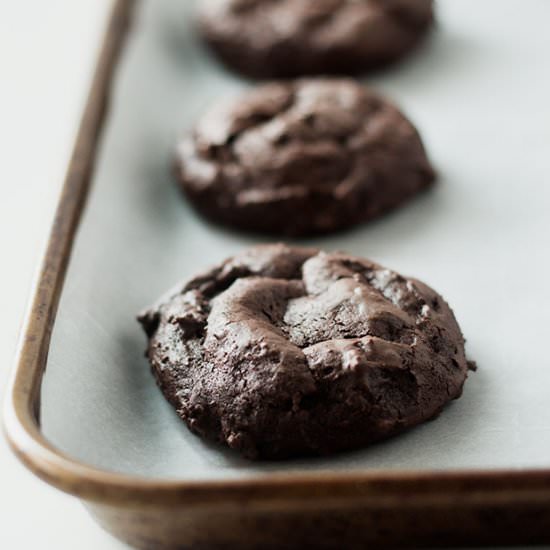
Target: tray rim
(21, 422)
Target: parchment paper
(479, 91)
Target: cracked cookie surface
(285, 38)
(285, 351)
(303, 157)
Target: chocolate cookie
(283, 351)
(286, 38)
(302, 157)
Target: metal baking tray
(83, 411)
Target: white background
(47, 54)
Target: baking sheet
(478, 91)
